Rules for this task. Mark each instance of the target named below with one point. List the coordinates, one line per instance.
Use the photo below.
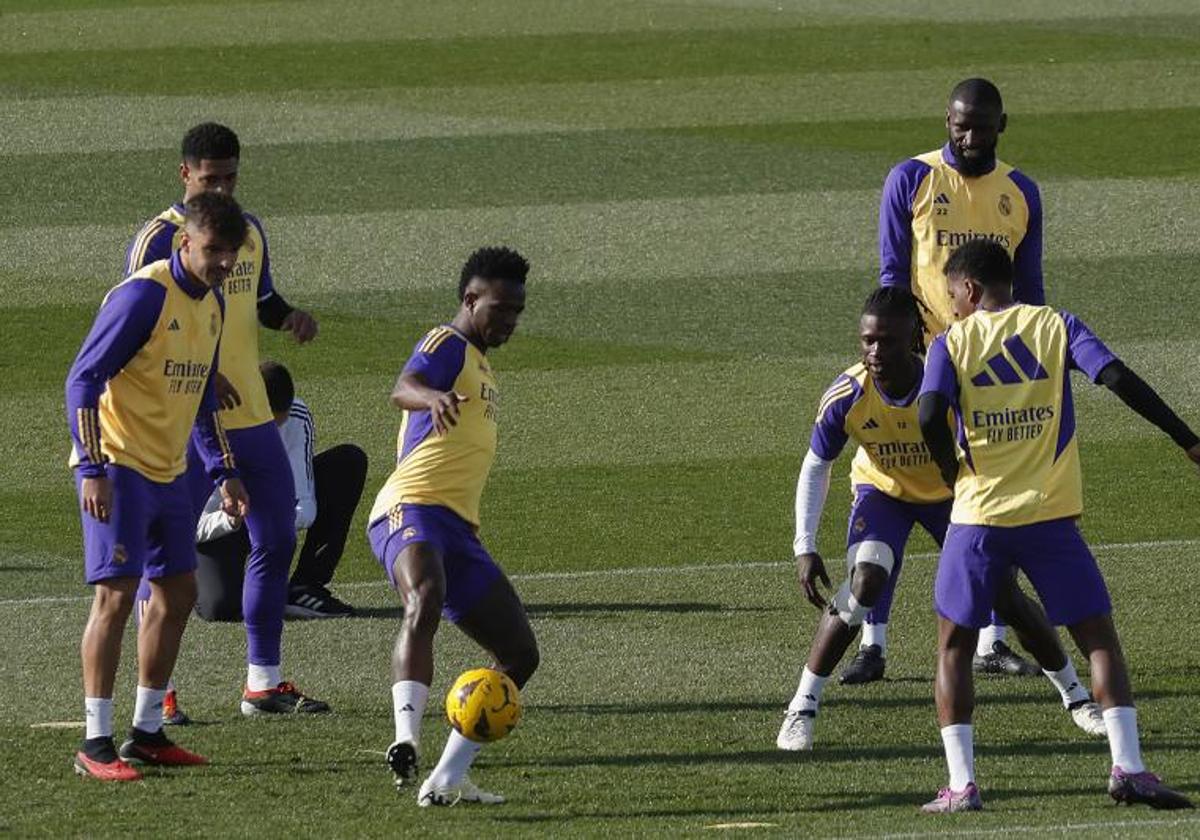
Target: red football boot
(156, 748)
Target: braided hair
(898, 302)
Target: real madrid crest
(860, 525)
(1005, 204)
(408, 533)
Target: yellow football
(483, 705)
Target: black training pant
(339, 475)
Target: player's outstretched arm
(1143, 399)
(932, 409)
(412, 394)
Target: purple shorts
(151, 529)
(1053, 555)
(470, 570)
(878, 517)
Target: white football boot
(796, 733)
(464, 791)
(1090, 718)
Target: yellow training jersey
(891, 456)
(1005, 374)
(450, 469)
(143, 372)
(929, 209)
(247, 284)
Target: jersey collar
(948, 157)
(180, 276)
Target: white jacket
(300, 440)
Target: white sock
(987, 636)
(1121, 725)
(262, 677)
(1067, 683)
(147, 711)
(456, 760)
(875, 634)
(97, 712)
(959, 740)
(408, 704)
(808, 694)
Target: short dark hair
(210, 141)
(978, 92)
(897, 302)
(218, 213)
(984, 261)
(281, 390)
(493, 263)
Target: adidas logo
(174, 325)
(870, 424)
(407, 707)
(942, 198)
(1005, 373)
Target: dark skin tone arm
(939, 437)
(412, 394)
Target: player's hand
(301, 325)
(811, 569)
(227, 395)
(97, 498)
(1194, 454)
(444, 409)
(234, 500)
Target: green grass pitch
(696, 183)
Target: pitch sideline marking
(635, 570)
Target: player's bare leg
(498, 624)
(161, 630)
(163, 622)
(954, 693)
(100, 649)
(421, 583)
(1035, 633)
(837, 629)
(1129, 781)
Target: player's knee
(113, 600)
(868, 582)
(522, 661)
(423, 605)
(355, 460)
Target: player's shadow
(569, 609)
(596, 709)
(833, 753)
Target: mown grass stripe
(591, 57)
(56, 125)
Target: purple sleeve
(895, 222)
(1028, 286)
(829, 431)
(440, 366)
(209, 434)
(124, 323)
(1085, 351)
(940, 376)
(266, 285)
(151, 244)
